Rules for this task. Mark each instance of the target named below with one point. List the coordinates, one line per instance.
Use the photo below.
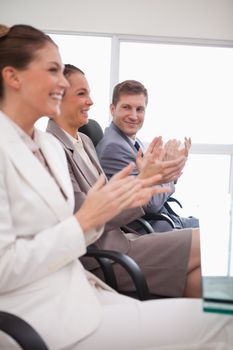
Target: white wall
(205, 19)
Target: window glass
(190, 89)
(203, 190)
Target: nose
(89, 101)
(64, 83)
(133, 114)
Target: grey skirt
(163, 257)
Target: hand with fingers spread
(106, 200)
(187, 146)
(148, 190)
(154, 151)
(154, 162)
(174, 149)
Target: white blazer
(41, 278)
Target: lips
(131, 124)
(85, 112)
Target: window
(190, 94)
(190, 89)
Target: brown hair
(18, 45)
(3, 30)
(70, 69)
(128, 87)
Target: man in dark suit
(120, 146)
(170, 261)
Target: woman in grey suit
(41, 239)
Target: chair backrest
(93, 130)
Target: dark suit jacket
(83, 179)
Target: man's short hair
(128, 87)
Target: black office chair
(93, 130)
(21, 332)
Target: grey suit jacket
(115, 151)
(83, 179)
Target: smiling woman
(76, 101)
(40, 237)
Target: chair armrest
(127, 263)
(145, 224)
(169, 208)
(141, 223)
(159, 217)
(105, 264)
(21, 332)
(172, 199)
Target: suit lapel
(92, 155)
(33, 172)
(83, 168)
(123, 136)
(78, 164)
(57, 166)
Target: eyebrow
(81, 89)
(130, 105)
(62, 67)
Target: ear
(112, 108)
(11, 77)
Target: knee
(196, 237)
(195, 251)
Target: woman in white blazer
(41, 278)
